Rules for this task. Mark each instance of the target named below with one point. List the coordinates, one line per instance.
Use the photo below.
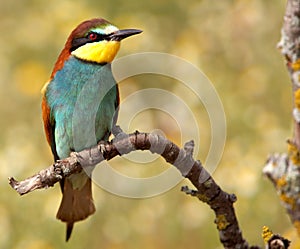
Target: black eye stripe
(99, 37)
(78, 42)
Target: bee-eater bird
(79, 106)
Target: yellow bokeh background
(232, 41)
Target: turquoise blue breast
(82, 98)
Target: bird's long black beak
(123, 33)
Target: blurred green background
(233, 42)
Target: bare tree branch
(284, 169)
(207, 189)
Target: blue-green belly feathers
(82, 98)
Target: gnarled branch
(207, 191)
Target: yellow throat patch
(99, 52)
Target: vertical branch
(290, 48)
(284, 169)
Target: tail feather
(69, 230)
(76, 204)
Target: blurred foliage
(232, 41)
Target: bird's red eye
(92, 36)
